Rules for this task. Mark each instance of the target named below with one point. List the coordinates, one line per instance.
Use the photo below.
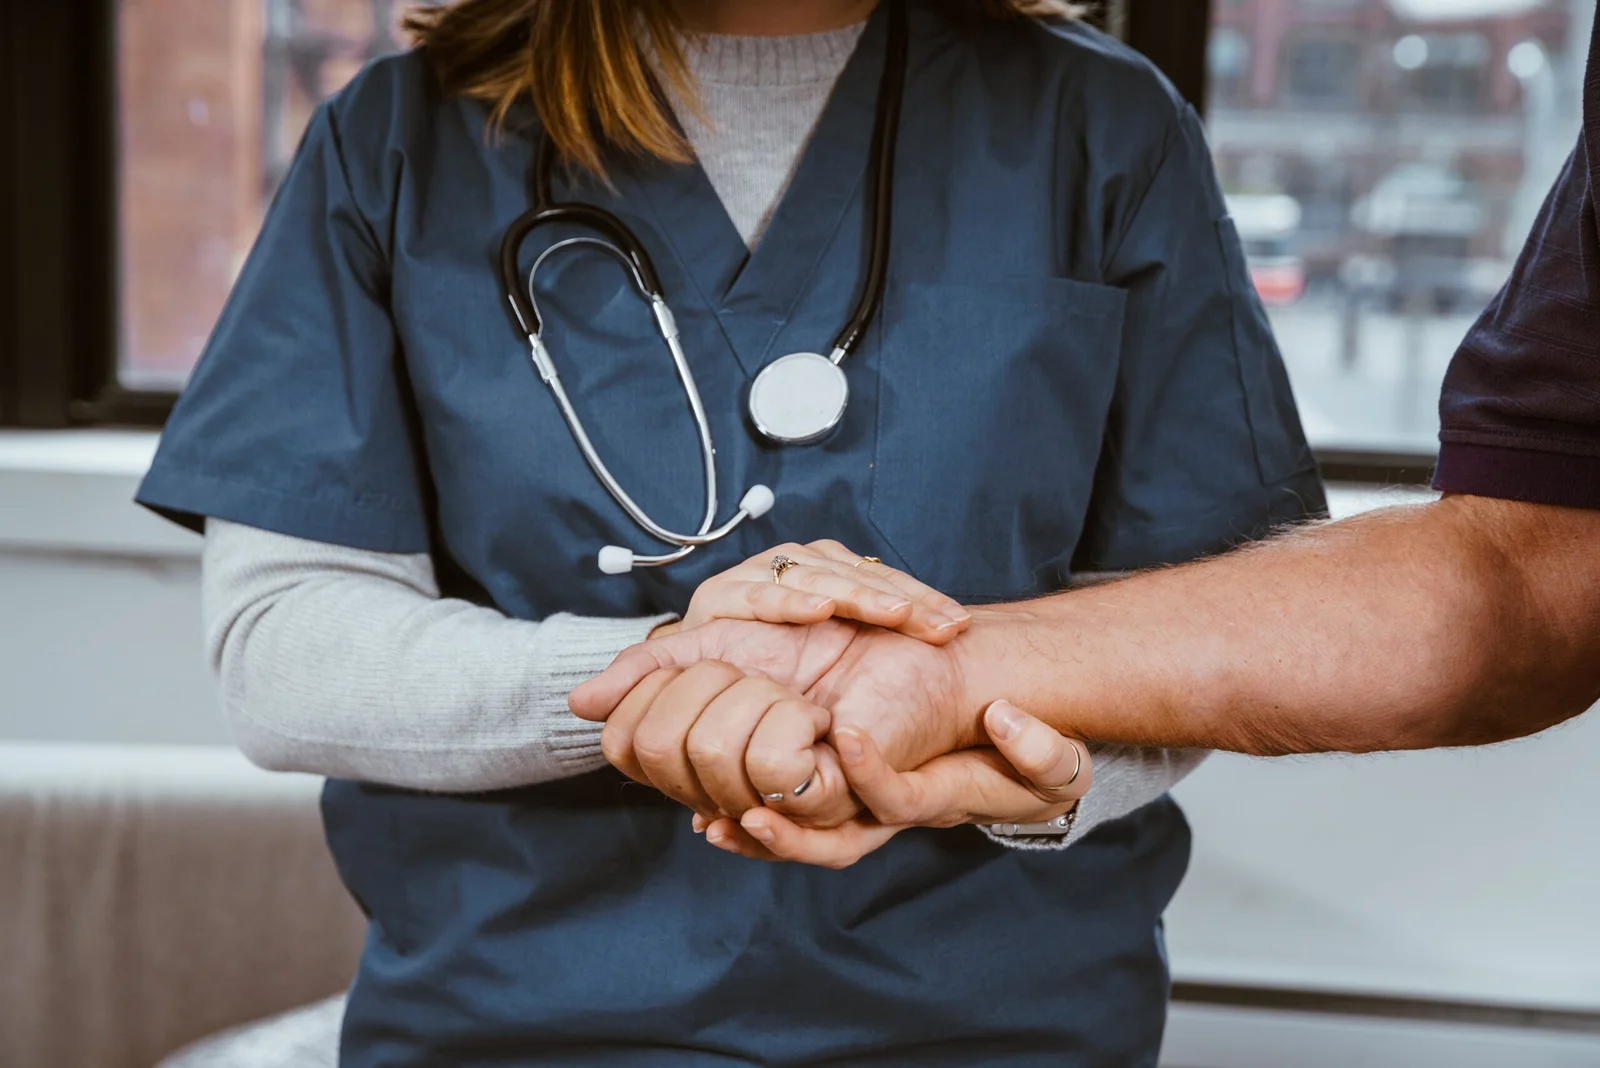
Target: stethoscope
(795, 400)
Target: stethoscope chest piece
(798, 398)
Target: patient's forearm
(1460, 622)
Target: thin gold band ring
(1077, 769)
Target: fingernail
(819, 604)
(700, 823)
(1005, 720)
(715, 836)
(957, 613)
(849, 747)
(761, 833)
(941, 621)
(887, 603)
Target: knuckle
(824, 545)
(893, 811)
(713, 672)
(793, 707)
(706, 747)
(614, 746)
(767, 762)
(653, 748)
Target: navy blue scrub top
(1070, 372)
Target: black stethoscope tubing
(891, 95)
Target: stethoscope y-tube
(796, 399)
(616, 559)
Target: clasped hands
(815, 718)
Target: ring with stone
(780, 564)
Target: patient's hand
(828, 580)
(682, 711)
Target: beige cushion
(153, 895)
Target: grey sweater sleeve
(1126, 778)
(348, 663)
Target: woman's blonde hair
(584, 65)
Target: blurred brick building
(213, 96)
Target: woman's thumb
(1055, 764)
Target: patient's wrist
(991, 661)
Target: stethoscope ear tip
(757, 501)
(616, 560)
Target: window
(212, 98)
(1228, 61)
(1319, 69)
(1384, 160)
(1446, 72)
(1385, 192)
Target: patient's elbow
(1508, 666)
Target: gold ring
(780, 564)
(867, 560)
(1076, 770)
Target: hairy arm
(1466, 621)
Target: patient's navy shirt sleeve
(1204, 448)
(297, 418)
(1520, 411)
(1519, 416)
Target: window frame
(58, 214)
(59, 250)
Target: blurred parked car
(1267, 225)
(1422, 221)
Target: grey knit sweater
(348, 663)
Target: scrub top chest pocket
(991, 410)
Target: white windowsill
(72, 491)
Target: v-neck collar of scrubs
(754, 292)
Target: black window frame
(59, 296)
(58, 265)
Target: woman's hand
(829, 580)
(1031, 775)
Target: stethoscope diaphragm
(799, 398)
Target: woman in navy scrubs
(1068, 373)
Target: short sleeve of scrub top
(1201, 395)
(298, 417)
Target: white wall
(1466, 876)
(99, 602)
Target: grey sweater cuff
(569, 650)
(1126, 778)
